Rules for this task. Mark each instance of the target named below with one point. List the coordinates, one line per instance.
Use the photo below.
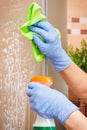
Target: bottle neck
(40, 121)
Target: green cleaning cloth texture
(33, 17)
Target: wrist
(78, 119)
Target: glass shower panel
(17, 66)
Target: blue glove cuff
(66, 110)
(62, 61)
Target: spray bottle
(40, 122)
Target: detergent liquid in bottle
(40, 122)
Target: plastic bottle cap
(47, 80)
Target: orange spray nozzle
(47, 80)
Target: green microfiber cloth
(33, 17)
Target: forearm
(76, 121)
(76, 80)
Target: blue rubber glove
(51, 47)
(49, 103)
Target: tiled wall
(76, 21)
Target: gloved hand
(51, 47)
(49, 103)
